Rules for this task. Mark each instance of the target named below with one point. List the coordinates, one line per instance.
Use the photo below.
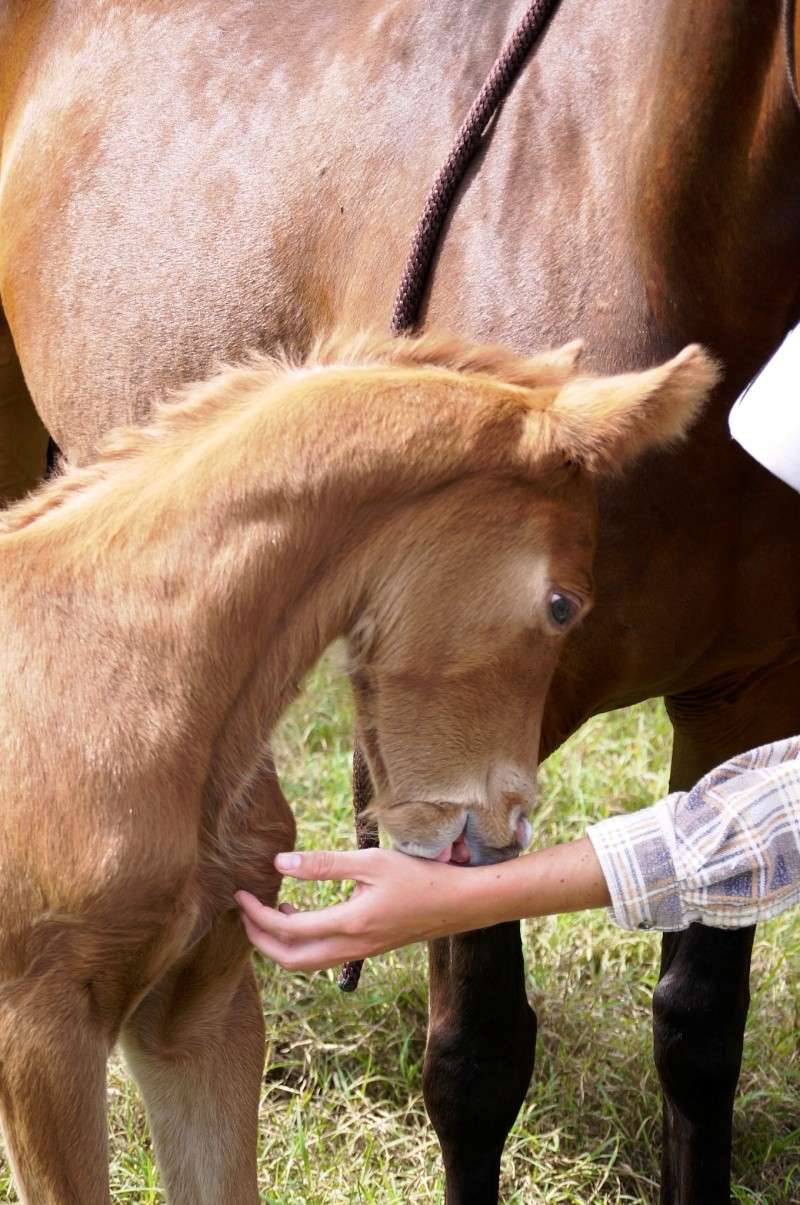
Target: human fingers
(306, 956)
(294, 926)
(325, 864)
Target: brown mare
(182, 180)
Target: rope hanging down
(414, 282)
(438, 201)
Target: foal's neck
(219, 555)
(212, 565)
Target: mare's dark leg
(479, 1060)
(700, 1004)
(699, 1012)
(481, 1038)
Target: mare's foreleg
(479, 1060)
(700, 1004)
(699, 1013)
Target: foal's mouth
(460, 852)
(457, 852)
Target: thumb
(322, 864)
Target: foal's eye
(562, 609)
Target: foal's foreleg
(196, 1042)
(52, 1093)
(479, 1060)
(196, 1048)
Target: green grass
(342, 1117)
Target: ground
(342, 1118)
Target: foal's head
(479, 585)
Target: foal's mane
(233, 388)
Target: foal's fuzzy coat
(157, 611)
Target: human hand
(397, 900)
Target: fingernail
(287, 861)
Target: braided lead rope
(438, 201)
(367, 838)
(413, 283)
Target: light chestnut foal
(432, 502)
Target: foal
(430, 501)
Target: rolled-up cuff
(637, 855)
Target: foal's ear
(557, 365)
(602, 423)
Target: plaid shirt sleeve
(726, 853)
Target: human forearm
(563, 878)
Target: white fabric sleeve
(766, 418)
